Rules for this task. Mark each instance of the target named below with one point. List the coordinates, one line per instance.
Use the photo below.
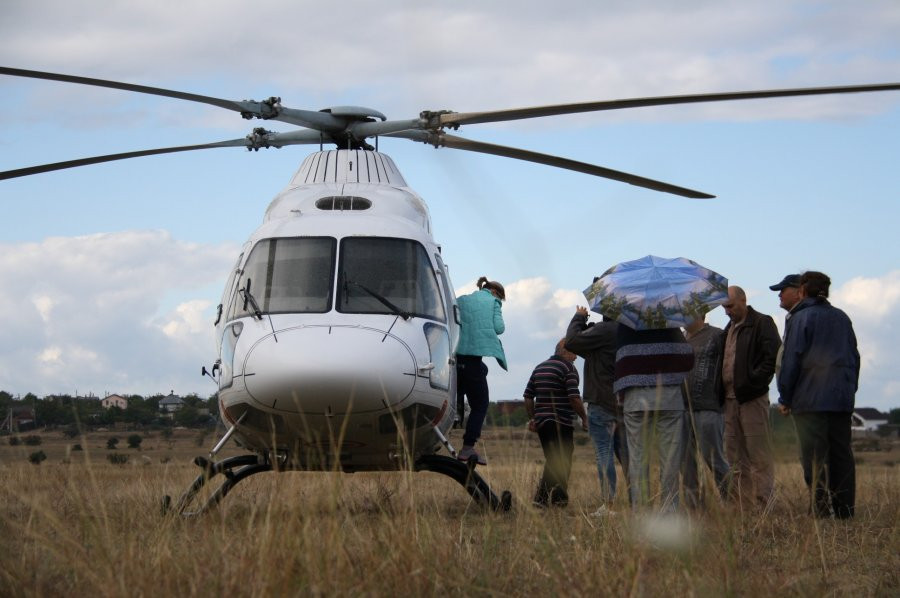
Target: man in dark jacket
(596, 344)
(748, 365)
(704, 424)
(818, 382)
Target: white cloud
(84, 312)
(44, 305)
(872, 304)
(467, 54)
(187, 320)
(870, 298)
(50, 355)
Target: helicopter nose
(329, 370)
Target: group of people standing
(699, 398)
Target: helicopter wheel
(248, 464)
(464, 473)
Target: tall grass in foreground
(95, 529)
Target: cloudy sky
(109, 274)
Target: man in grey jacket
(704, 424)
(596, 343)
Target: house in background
(867, 419)
(114, 401)
(171, 403)
(19, 418)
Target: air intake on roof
(343, 202)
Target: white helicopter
(337, 328)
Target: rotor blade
(192, 97)
(11, 174)
(465, 118)
(452, 141)
(259, 138)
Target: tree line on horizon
(60, 410)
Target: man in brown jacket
(748, 365)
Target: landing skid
(234, 469)
(242, 467)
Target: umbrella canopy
(654, 292)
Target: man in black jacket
(748, 365)
(596, 343)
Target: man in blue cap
(789, 297)
(818, 386)
(788, 292)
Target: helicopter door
(449, 302)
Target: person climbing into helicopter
(481, 323)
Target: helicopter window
(343, 202)
(229, 286)
(439, 347)
(288, 275)
(445, 282)
(380, 275)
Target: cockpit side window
(229, 286)
(380, 275)
(287, 275)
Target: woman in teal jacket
(481, 322)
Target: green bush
(14, 441)
(134, 441)
(111, 443)
(117, 458)
(37, 457)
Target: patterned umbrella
(654, 292)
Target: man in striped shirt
(552, 400)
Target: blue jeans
(608, 433)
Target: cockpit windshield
(379, 275)
(287, 275)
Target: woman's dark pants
(471, 382)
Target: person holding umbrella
(651, 369)
(653, 297)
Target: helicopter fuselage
(337, 328)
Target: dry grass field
(77, 525)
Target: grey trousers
(665, 430)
